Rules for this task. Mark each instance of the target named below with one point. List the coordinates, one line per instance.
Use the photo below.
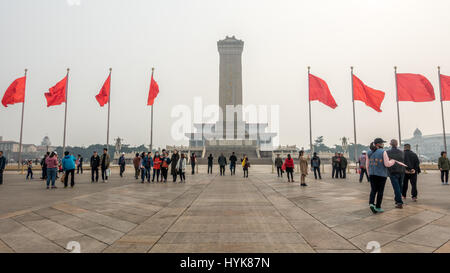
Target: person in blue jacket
(68, 166)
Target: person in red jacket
(289, 164)
(156, 167)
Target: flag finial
(68, 69)
(153, 69)
(110, 69)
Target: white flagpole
(109, 111)
(354, 121)
(442, 109)
(65, 113)
(21, 126)
(310, 123)
(398, 110)
(151, 118)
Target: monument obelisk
(230, 86)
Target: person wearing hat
(362, 167)
(122, 164)
(377, 162)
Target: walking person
(335, 166)
(165, 166)
(149, 165)
(80, 164)
(29, 169)
(210, 163)
(377, 162)
(245, 166)
(315, 164)
(52, 167)
(444, 167)
(342, 166)
(303, 168)
(156, 167)
(173, 165)
(396, 172)
(181, 167)
(44, 166)
(279, 164)
(143, 166)
(68, 165)
(122, 162)
(95, 164)
(193, 160)
(289, 165)
(412, 170)
(137, 165)
(222, 160)
(233, 160)
(2, 166)
(105, 161)
(362, 167)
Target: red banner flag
(414, 87)
(57, 94)
(103, 96)
(153, 93)
(318, 90)
(445, 87)
(371, 97)
(15, 92)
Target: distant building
(11, 150)
(429, 147)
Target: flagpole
(65, 113)
(21, 127)
(398, 109)
(310, 123)
(442, 109)
(354, 121)
(151, 121)
(109, 112)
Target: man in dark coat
(396, 173)
(2, 166)
(173, 164)
(335, 166)
(222, 160)
(342, 166)
(95, 164)
(412, 170)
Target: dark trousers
(193, 168)
(361, 175)
(164, 172)
(122, 170)
(335, 172)
(182, 175)
(143, 174)
(377, 184)
(279, 172)
(397, 185)
(80, 169)
(290, 172)
(94, 174)
(222, 170)
(137, 171)
(233, 169)
(413, 179)
(317, 172)
(245, 172)
(1, 177)
(72, 179)
(343, 172)
(444, 174)
(209, 169)
(44, 173)
(29, 173)
(104, 175)
(156, 172)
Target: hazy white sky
(178, 38)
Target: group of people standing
(339, 164)
(222, 161)
(288, 166)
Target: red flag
(103, 96)
(153, 93)
(57, 94)
(371, 97)
(445, 87)
(414, 87)
(15, 92)
(318, 90)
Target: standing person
(289, 164)
(377, 162)
(362, 167)
(279, 164)
(143, 166)
(44, 166)
(122, 162)
(222, 160)
(412, 170)
(52, 167)
(156, 167)
(303, 168)
(105, 161)
(444, 167)
(193, 162)
(342, 166)
(181, 167)
(29, 169)
(210, 163)
(80, 164)
(68, 165)
(149, 166)
(233, 160)
(335, 165)
(245, 166)
(137, 165)
(315, 164)
(173, 165)
(95, 164)
(165, 166)
(396, 172)
(2, 166)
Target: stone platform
(211, 213)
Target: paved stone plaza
(219, 214)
